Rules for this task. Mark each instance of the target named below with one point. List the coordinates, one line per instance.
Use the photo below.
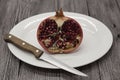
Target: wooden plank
(107, 12)
(2, 6)
(118, 4)
(30, 8)
(15, 13)
(8, 64)
(79, 6)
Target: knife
(39, 54)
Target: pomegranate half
(59, 34)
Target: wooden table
(14, 11)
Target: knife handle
(23, 45)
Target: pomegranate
(59, 34)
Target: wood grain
(14, 11)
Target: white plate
(96, 42)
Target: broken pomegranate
(59, 34)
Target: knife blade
(39, 54)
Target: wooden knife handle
(23, 45)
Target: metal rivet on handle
(37, 50)
(23, 43)
(10, 36)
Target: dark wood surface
(14, 11)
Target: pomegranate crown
(59, 13)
